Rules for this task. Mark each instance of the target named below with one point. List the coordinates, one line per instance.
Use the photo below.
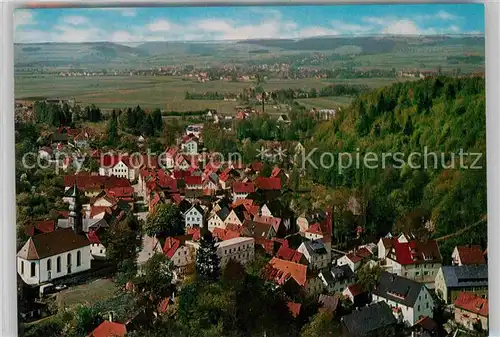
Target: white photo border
(8, 275)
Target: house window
(427, 305)
(58, 264)
(33, 269)
(68, 259)
(22, 267)
(49, 264)
(418, 308)
(78, 258)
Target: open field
(86, 293)
(325, 102)
(165, 92)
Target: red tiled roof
(314, 229)
(257, 166)
(276, 171)
(195, 232)
(264, 183)
(294, 308)
(281, 271)
(240, 187)
(270, 220)
(354, 258)
(471, 255)
(84, 181)
(193, 180)
(93, 238)
(288, 254)
(355, 289)
(176, 198)
(225, 234)
(163, 305)
(416, 252)
(363, 252)
(121, 192)
(170, 247)
(109, 329)
(45, 226)
(472, 303)
(113, 182)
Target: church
(63, 252)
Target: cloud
(443, 15)
(401, 27)
(454, 29)
(214, 25)
(23, 17)
(75, 20)
(160, 26)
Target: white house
(411, 258)
(193, 217)
(239, 249)
(190, 146)
(216, 220)
(97, 249)
(176, 250)
(409, 300)
(53, 255)
(467, 255)
(316, 254)
(118, 166)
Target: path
(483, 219)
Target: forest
(442, 115)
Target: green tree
(154, 282)
(207, 260)
(368, 276)
(85, 319)
(165, 221)
(148, 127)
(157, 119)
(121, 239)
(322, 324)
(112, 129)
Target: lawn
(86, 294)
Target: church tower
(75, 211)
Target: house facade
(409, 300)
(471, 311)
(411, 258)
(316, 254)
(452, 280)
(193, 217)
(49, 256)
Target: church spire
(75, 211)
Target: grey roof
(315, 247)
(398, 289)
(367, 319)
(223, 213)
(337, 274)
(466, 276)
(87, 223)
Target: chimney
(110, 316)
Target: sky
(128, 25)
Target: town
(251, 171)
(185, 210)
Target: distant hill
(73, 54)
(368, 44)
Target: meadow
(164, 92)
